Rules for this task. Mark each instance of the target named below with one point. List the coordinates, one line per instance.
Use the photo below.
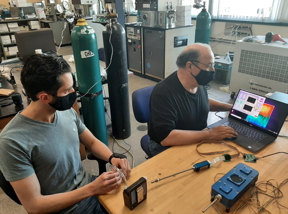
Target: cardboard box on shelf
(23, 28)
(6, 39)
(183, 15)
(3, 27)
(183, 23)
(183, 18)
(184, 8)
(13, 40)
(13, 26)
(6, 51)
(13, 50)
(34, 25)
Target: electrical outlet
(241, 29)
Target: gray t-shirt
(50, 150)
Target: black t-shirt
(173, 107)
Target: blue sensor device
(201, 165)
(233, 185)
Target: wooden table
(190, 192)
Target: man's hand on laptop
(222, 132)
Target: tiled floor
(132, 143)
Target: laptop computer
(257, 119)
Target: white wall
(218, 28)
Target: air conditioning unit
(260, 68)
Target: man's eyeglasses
(210, 65)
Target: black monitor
(29, 41)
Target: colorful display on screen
(264, 116)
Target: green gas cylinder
(203, 25)
(85, 51)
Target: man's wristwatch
(114, 155)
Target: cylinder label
(87, 30)
(86, 54)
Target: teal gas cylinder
(85, 51)
(203, 25)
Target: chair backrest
(0, 55)
(8, 189)
(101, 53)
(141, 102)
(28, 41)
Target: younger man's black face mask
(64, 103)
(204, 77)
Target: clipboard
(6, 92)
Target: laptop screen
(259, 111)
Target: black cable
(207, 87)
(12, 78)
(251, 31)
(274, 154)
(8, 98)
(18, 66)
(127, 150)
(218, 115)
(6, 103)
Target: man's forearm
(185, 137)
(61, 201)
(100, 150)
(28, 191)
(219, 106)
(97, 148)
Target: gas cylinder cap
(81, 22)
(112, 15)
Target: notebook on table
(257, 119)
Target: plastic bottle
(139, 19)
(22, 13)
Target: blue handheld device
(233, 185)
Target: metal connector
(218, 197)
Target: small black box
(136, 193)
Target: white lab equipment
(260, 67)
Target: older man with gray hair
(180, 105)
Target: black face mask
(64, 103)
(204, 77)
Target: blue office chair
(101, 54)
(141, 109)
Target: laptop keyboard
(246, 131)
